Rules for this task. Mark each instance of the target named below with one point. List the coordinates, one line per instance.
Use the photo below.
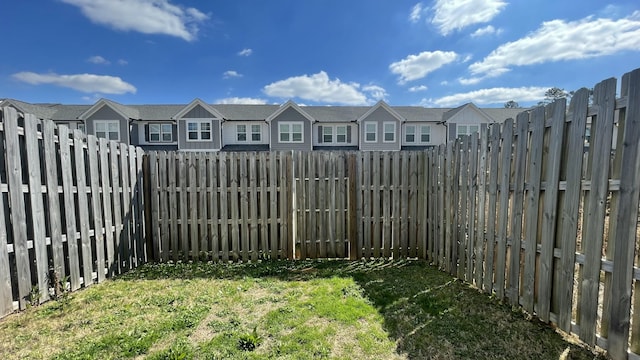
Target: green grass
(282, 310)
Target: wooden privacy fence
(249, 206)
(219, 206)
(539, 213)
(70, 209)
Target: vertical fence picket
(96, 207)
(494, 157)
(163, 196)
(37, 205)
(69, 206)
(532, 206)
(600, 149)
(627, 219)
(572, 174)
(53, 198)
(83, 210)
(503, 206)
(520, 158)
(106, 206)
(174, 239)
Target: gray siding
(291, 115)
(214, 144)
(380, 116)
(452, 131)
(198, 112)
(107, 113)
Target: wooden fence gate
(321, 205)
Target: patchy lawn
(282, 310)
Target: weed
(33, 299)
(249, 341)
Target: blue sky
(439, 53)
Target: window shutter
(348, 134)
(174, 132)
(146, 132)
(452, 131)
(320, 134)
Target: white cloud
(88, 83)
(498, 95)
(98, 60)
(487, 30)
(418, 88)
(122, 62)
(376, 92)
(560, 40)
(231, 74)
(415, 67)
(318, 87)
(241, 100)
(245, 52)
(416, 13)
(145, 16)
(451, 15)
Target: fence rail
(70, 207)
(546, 217)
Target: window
(160, 133)
(370, 132)
(198, 130)
(290, 132)
(341, 134)
(241, 133)
(410, 134)
(256, 133)
(327, 134)
(466, 129)
(108, 129)
(425, 133)
(389, 132)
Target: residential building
(199, 126)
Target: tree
(511, 105)
(554, 94)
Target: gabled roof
(126, 112)
(387, 108)
(193, 104)
(471, 106)
(290, 104)
(42, 111)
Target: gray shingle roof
(239, 112)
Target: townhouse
(199, 126)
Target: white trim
(161, 133)
(406, 133)
(199, 130)
(428, 127)
(384, 131)
(375, 132)
(107, 130)
(287, 105)
(290, 132)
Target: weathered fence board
(555, 217)
(53, 210)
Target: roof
(252, 112)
